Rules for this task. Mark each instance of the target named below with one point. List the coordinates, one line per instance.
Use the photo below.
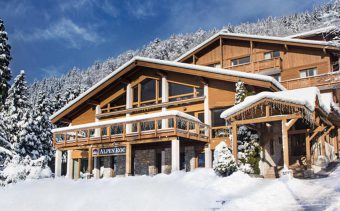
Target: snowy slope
(198, 190)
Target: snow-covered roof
(261, 37)
(128, 119)
(305, 97)
(313, 32)
(174, 64)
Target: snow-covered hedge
(20, 169)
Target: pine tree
(5, 145)
(224, 162)
(43, 126)
(16, 107)
(247, 140)
(5, 58)
(241, 92)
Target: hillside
(61, 90)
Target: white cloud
(140, 8)
(63, 30)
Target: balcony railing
(136, 130)
(326, 80)
(258, 66)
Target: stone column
(96, 168)
(175, 156)
(129, 100)
(165, 99)
(69, 173)
(207, 111)
(58, 156)
(207, 157)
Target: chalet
(152, 116)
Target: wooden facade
(109, 116)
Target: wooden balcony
(144, 130)
(258, 66)
(327, 81)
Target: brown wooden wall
(293, 58)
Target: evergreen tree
(5, 58)
(43, 126)
(5, 145)
(224, 162)
(16, 107)
(241, 92)
(247, 140)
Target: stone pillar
(207, 111)
(129, 100)
(69, 173)
(175, 156)
(97, 130)
(207, 157)
(166, 161)
(96, 168)
(58, 156)
(108, 170)
(128, 159)
(165, 99)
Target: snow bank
(129, 119)
(197, 190)
(305, 96)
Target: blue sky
(49, 37)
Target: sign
(108, 151)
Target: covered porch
(297, 130)
(159, 142)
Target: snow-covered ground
(198, 190)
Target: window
(216, 119)
(180, 92)
(216, 65)
(148, 87)
(271, 55)
(308, 72)
(240, 61)
(277, 76)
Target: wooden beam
(90, 164)
(234, 147)
(161, 73)
(65, 120)
(285, 144)
(128, 159)
(290, 123)
(92, 102)
(268, 119)
(267, 110)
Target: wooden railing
(147, 128)
(258, 66)
(328, 79)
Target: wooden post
(128, 159)
(308, 150)
(234, 133)
(89, 164)
(285, 144)
(252, 60)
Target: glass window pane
(267, 55)
(148, 90)
(201, 116)
(244, 60)
(179, 89)
(303, 74)
(135, 94)
(216, 119)
(121, 100)
(218, 65)
(234, 62)
(199, 92)
(276, 54)
(160, 88)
